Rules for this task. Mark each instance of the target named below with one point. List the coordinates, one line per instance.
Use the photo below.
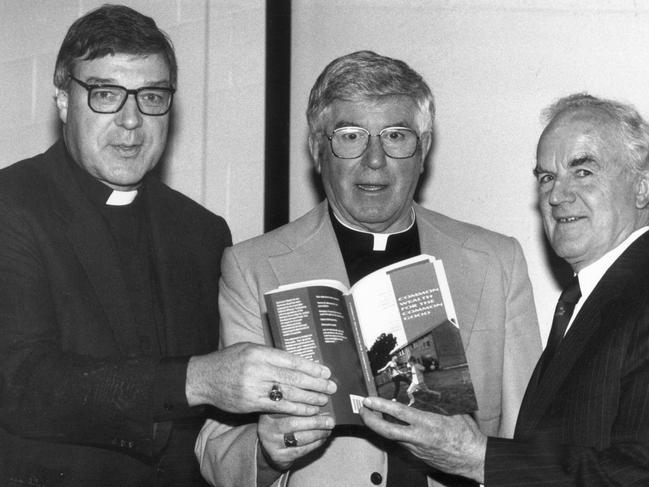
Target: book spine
(360, 347)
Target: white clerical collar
(121, 198)
(590, 275)
(380, 239)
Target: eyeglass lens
(110, 99)
(351, 142)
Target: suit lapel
(541, 393)
(314, 251)
(459, 261)
(178, 290)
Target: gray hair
(365, 74)
(632, 128)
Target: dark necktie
(562, 315)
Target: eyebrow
(345, 123)
(581, 161)
(92, 80)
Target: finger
(393, 408)
(307, 437)
(295, 394)
(288, 407)
(309, 433)
(301, 380)
(289, 455)
(287, 399)
(275, 425)
(291, 402)
(382, 427)
(286, 360)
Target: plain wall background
(492, 65)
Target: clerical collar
(361, 254)
(97, 192)
(379, 240)
(121, 198)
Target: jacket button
(376, 478)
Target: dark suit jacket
(79, 403)
(586, 422)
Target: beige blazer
(492, 294)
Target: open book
(393, 334)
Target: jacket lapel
(314, 251)
(541, 393)
(460, 260)
(172, 247)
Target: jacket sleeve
(227, 450)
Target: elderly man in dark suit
(108, 286)
(585, 416)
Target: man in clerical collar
(109, 284)
(370, 130)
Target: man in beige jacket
(370, 120)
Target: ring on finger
(289, 440)
(275, 393)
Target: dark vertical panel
(278, 92)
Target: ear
(426, 141)
(61, 97)
(314, 149)
(642, 191)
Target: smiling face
(589, 197)
(116, 148)
(372, 192)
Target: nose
(561, 192)
(129, 116)
(374, 156)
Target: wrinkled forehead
(581, 129)
(382, 110)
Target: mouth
(127, 150)
(568, 219)
(371, 188)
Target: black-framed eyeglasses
(105, 98)
(352, 142)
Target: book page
(411, 335)
(313, 322)
(405, 292)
